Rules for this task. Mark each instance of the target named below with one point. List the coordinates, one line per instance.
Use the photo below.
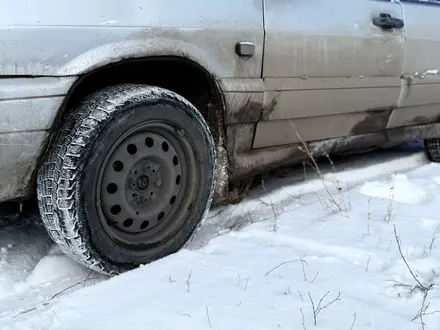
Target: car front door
(331, 69)
(420, 100)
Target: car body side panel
(20, 152)
(57, 38)
(28, 107)
(48, 45)
(420, 100)
(325, 62)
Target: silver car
(127, 119)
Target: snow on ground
(258, 264)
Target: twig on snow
(317, 273)
(284, 263)
(435, 235)
(188, 281)
(209, 318)
(88, 278)
(304, 270)
(300, 295)
(368, 263)
(419, 284)
(303, 322)
(422, 312)
(246, 284)
(319, 308)
(275, 215)
(354, 321)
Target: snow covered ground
(295, 253)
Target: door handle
(387, 22)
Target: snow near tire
(128, 178)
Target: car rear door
(420, 101)
(331, 69)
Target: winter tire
(128, 177)
(433, 149)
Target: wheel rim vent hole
(118, 166)
(115, 209)
(149, 142)
(128, 222)
(112, 188)
(131, 149)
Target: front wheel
(129, 177)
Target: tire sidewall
(124, 117)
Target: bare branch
(422, 312)
(323, 297)
(354, 321)
(331, 302)
(319, 308)
(300, 295)
(303, 322)
(317, 273)
(390, 215)
(209, 318)
(275, 216)
(284, 263)
(368, 263)
(434, 312)
(421, 286)
(304, 270)
(389, 247)
(397, 283)
(337, 205)
(88, 278)
(188, 281)
(434, 237)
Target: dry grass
(334, 202)
(425, 289)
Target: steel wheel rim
(147, 174)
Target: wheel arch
(176, 73)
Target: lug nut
(158, 183)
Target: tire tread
(57, 181)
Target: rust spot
(414, 132)
(249, 112)
(421, 120)
(376, 121)
(268, 109)
(243, 107)
(425, 120)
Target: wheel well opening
(179, 75)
